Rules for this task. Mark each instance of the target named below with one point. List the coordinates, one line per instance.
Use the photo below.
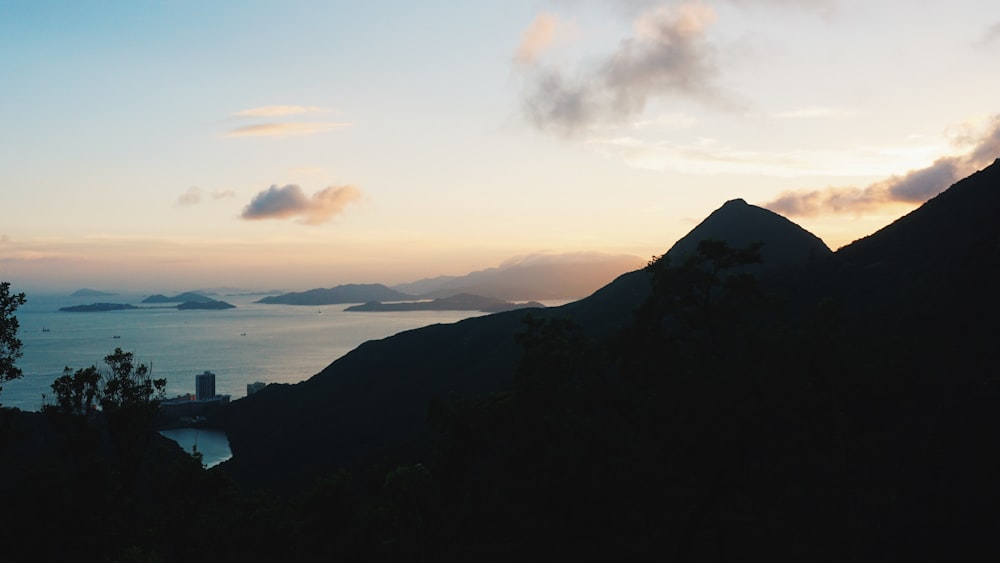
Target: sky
(174, 144)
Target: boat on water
(45, 329)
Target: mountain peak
(738, 202)
(740, 224)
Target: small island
(205, 305)
(460, 302)
(98, 307)
(186, 297)
(210, 305)
(342, 294)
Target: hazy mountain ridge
(535, 277)
(341, 294)
(460, 302)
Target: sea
(253, 342)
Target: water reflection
(213, 444)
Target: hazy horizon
(267, 145)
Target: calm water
(254, 342)
(213, 444)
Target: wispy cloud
(279, 111)
(913, 187)
(290, 201)
(667, 121)
(708, 156)
(666, 55)
(195, 195)
(816, 112)
(273, 121)
(284, 129)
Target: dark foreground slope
(934, 271)
(367, 405)
(372, 403)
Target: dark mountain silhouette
(738, 223)
(789, 251)
(460, 302)
(922, 289)
(558, 276)
(350, 293)
(941, 260)
(368, 404)
(373, 401)
(837, 408)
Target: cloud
(799, 4)
(4, 239)
(191, 197)
(284, 129)
(820, 5)
(291, 201)
(543, 33)
(990, 36)
(194, 196)
(278, 111)
(267, 127)
(913, 187)
(666, 55)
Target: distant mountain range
(460, 302)
(351, 293)
(923, 289)
(534, 277)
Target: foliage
(10, 344)
(121, 387)
(77, 392)
(125, 385)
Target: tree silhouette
(126, 385)
(77, 392)
(10, 344)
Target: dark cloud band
(290, 201)
(913, 187)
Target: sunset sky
(168, 145)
